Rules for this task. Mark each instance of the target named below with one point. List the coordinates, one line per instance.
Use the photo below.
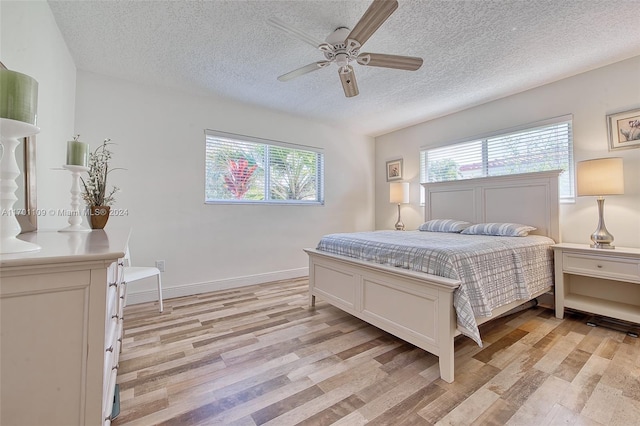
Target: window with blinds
(243, 169)
(542, 146)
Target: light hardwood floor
(260, 355)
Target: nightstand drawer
(617, 268)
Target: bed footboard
(413, 306)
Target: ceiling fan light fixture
(342, 60)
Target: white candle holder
(10, 133)
(75, 219)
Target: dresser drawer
(616, 268)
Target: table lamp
(600, 177)
(399, 194)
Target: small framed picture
(394, 170)
(624, 129)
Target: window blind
(543, 146)
(242, 169)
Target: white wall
(31, 43)
(589, 97)
(160, 137)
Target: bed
(417, 306)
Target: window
(542, 146)
(242, 169)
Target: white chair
(135, 273)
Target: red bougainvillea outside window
(242, 169)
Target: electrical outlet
(160, 265)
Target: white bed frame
(418, 307)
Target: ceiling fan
(343, 46)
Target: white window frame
(229, 138)
(568, 179)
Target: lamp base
(602, 246)
(602, 238)
(399, 224)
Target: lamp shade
(18, 97)
(601, 176)
(399, 192)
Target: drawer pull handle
(115, 316)
(109, 349)
(113, 285)
(599, 266)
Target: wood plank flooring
(259, 355)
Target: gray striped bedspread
(493, 271)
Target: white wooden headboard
(528, 198)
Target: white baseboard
(209, 286)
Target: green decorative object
(77, 153)
(18, 97)
(18, 105)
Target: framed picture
(624, 129)
(394, 170)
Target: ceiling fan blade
(348, 79)
(376, 14)
(303, 70)
(294, 32)
(408, 63)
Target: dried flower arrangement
(95, 187)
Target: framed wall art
(624, 129)
(394, 170)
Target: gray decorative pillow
(500, 229)
(444, 225)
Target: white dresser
(61, 328)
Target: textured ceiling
(474, 51)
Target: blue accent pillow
(444, 225)
(499, 229)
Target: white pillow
(500, 229)
(444, 225)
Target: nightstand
(598, 281)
